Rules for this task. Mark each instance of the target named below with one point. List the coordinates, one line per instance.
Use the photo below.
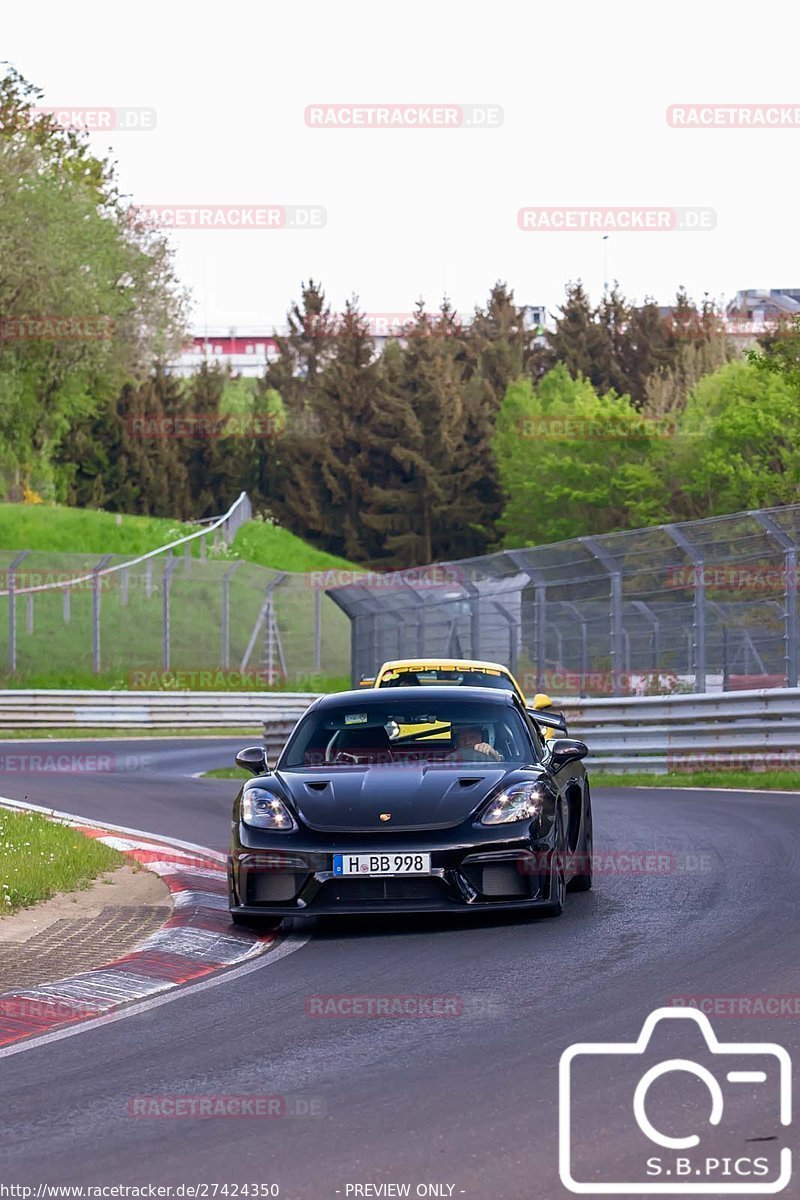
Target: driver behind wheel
(471, 745)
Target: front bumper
(298, 879)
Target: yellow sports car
(461, 672)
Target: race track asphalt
(469, 1101)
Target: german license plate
(381, 864)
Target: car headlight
(521, 802)
(264, 810)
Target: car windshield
(445, 732)
(446, 676)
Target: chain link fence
(693, 607)
(185, 616)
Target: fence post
(12, 613)
(598, 550)
(649, 615)
(96, 612)
(165, 611)
(520, 559)
(226, 609)
(474, 618)
(579, 617)
(317, 631)
(789, 547)
(680, 539)
(273, 583)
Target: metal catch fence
(700, 606)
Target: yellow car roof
(447, 664)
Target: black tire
(558, 887)
(583, 881)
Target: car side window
(536, 737)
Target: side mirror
(566, 750)
(365, 681)
(253, 759)
(540, 700)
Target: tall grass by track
(39, 857)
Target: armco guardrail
(707, 731)
(23, 709)
(649, 733)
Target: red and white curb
(196, 941)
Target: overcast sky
(584, 90)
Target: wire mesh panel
(179, 619)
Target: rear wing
(549, 720)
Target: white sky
(584, 88)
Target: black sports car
(369, 808)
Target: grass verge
(56, 528)
(226, 773)
(39, 857)
(268, 545)
(212, 679)
(762, 781)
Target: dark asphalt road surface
(471, 1101)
